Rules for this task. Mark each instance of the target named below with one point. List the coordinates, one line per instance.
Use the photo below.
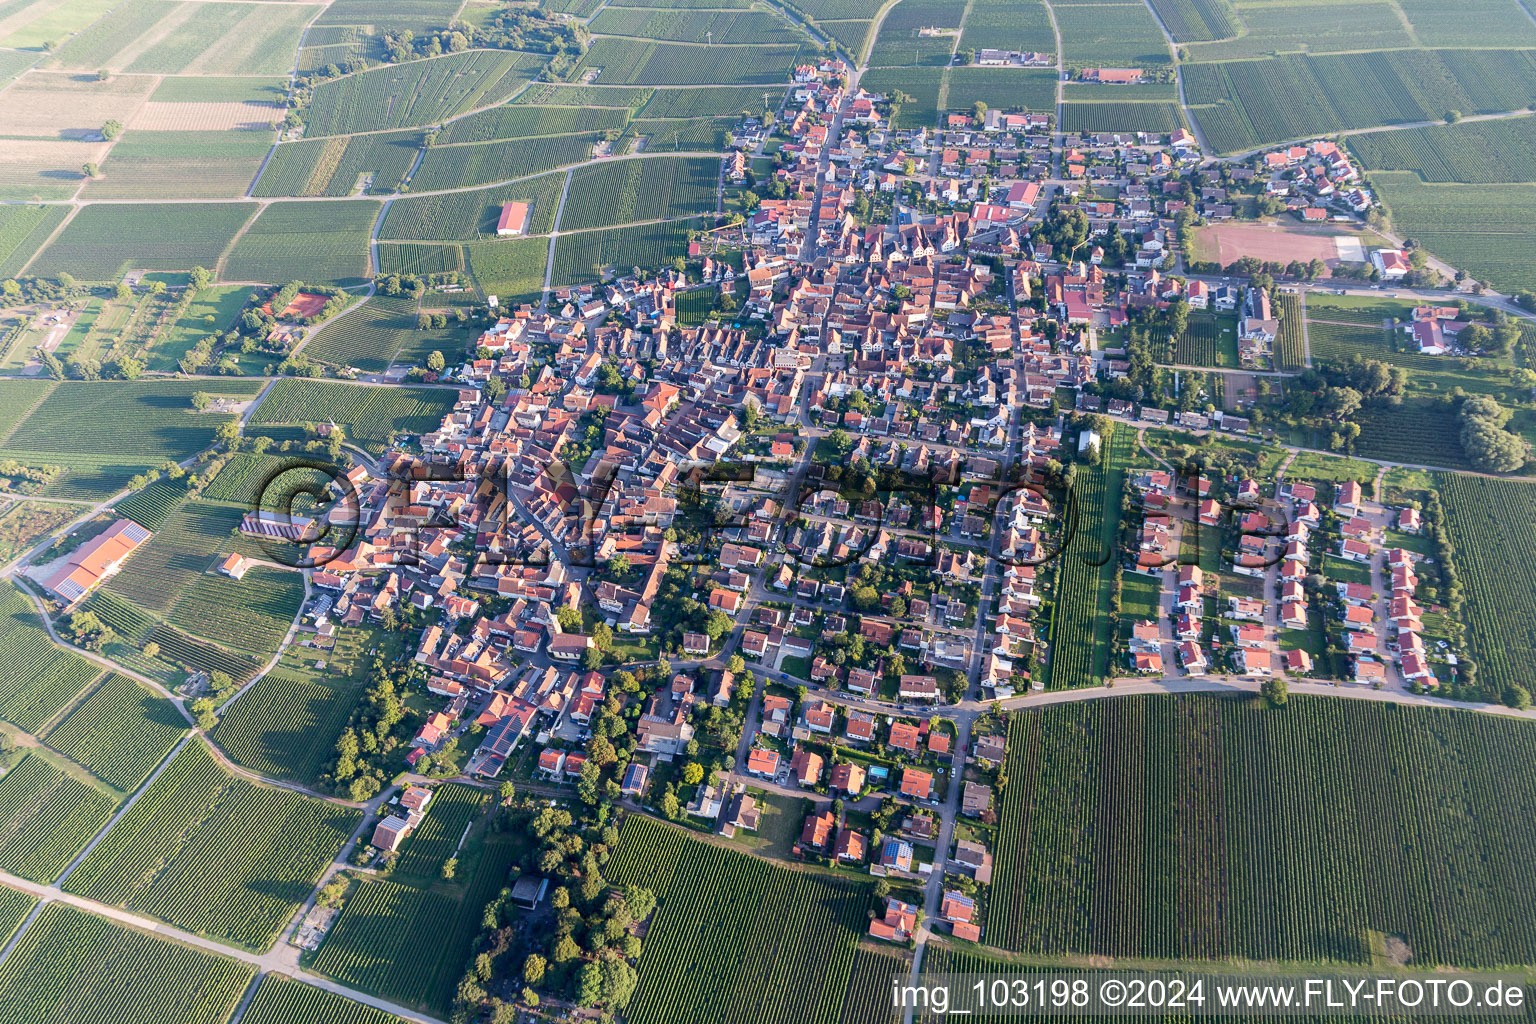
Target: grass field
(144, 36)
(215, 854)
(37, 678)
(101, 242)
(23, 230)
(120, 732)
(380, 331)
(281, 1000)
(623, 191)
(590, 255)
(417, 93)
(341, 165)
(371, 416)
(212, 309)
(46, 818)
(188, 165)
(57, 972)
(385, 923)
(462, 216)
(1489, 522)
(1220, 808)
(707, 956)
(285, 725)
(40, 24)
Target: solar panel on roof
(136, 533)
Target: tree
(506, 791)
(533, 969)
(670, 806)
(111, 130)
(201, 400)
(435, 362)
(203, 709)
(449, 867)
(1276, 691)
(979, 111)
(123, 293)
(151, 650)
(569, 619)
(90, 170)
(693, 773)
(589, 984)
(565, 950)
(1517, 696)
(200, 278)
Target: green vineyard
(38, 678)
(435, 840)
(281, 1000)
(120, 732)
(215, 854)
(46, 818)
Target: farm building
(514, 219)
(95, 560)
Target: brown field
(1227, 243)
(45, 169)
(54, 105)
(205, 117)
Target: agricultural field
(416, 93)
(1160, 118)
(23, 230)
(1194, 850)
(1001, 89)
(1082, 587)
(318, 243)
(215, 854)
(1422, 431)
(1311, 28)
(1008, 25)
(461, 216)
(281, 1000)
(420, 259)
(340, 166)
(1234, 100)
(557, 94)
(623, 191)
(105, 432)
(31, 24)
(485, 163)
(1483, 152)
(1489, 522)
(212, 309)
(371, 416)
(691, 134)
(452, 808)
(1193, 21)
(103, 241)
(1123, 35)
(638, 62)
(1479, 228)
(189, 165)
(512, 270)
(374, 334)
(592, 255)
(38, 679)
(119, 733)
(417, 16)
(285, 724)
(47, 817)
(869, 986)
(1291, 344)
(899, 45)
(52, 105)
(1470, 23)
(1209, 340)
(707, 957)
(695, 26)
(34, 170)
(55, 973)
(385, 924)
(25, 523)
(148, 37)
(923, 85)
(517, 122)
(718, 102)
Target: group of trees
(1488, 445)
(377, 727)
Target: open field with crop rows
(899, 45)
(1236, 101)
(419, 92)
(23, 230)
(369, 415)
(437, 837)
(512, 270)
(103, 241)
(1290, 345)
(385, 924)
(338, 166)
(1000, 88)
(145, 36)
(372, 335)
(1470, 23)
(1481, 228)
(623, 191)
(1191, 21)
(1086, 569)
(1490, 526)
(1472, 151)
(709, 960)
(120, 732)
(695, 26)
(1160, 118)
(516, 122)
(1219, 810)
(38, 679)
(483, 163)
(318, 243)
(1123, 35)
(1208, 341)
(281, 1000)
(461, 216)
(46, 818)
(923, 85)
(215, 854)
(1314, 28)
(420, 258)
(71, 965)
(589, 255)
(188, 165)
(583, 96)
(1008, 25)
(638, 62)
